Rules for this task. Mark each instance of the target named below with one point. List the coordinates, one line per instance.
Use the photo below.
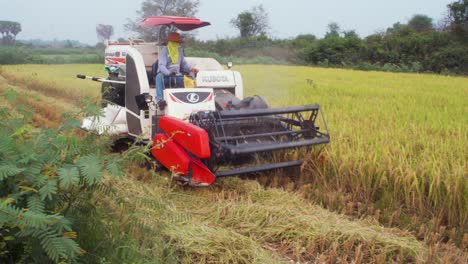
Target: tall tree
(421, 23)
(333, 30)
(350, 34)
(185, 8)
(3, 29)
(9, 31)
(104, 32)
(252, 22)
(458, 19)
(397, 27)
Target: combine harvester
(204, 132)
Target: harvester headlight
(148, 98)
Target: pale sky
(77, 19)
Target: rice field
(399, 141)
(397, 158)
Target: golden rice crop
(237, 221)
(397, 153)
(397, 140)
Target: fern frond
(90, 168)
(49, 189)
(85, 209)
(39, 180)
(70, 123)
(115, 167)
(69, 145)
(9, 170)
(57, 247)
(53, 246)
(69, 176)
(71, 248)
(61, 224)
(35, 220)
(7, 147)
(35, 204)
(8, 213)
(104, 189)
(38, 169)
(32, 170)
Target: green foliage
(453, 58)
(231, 46)
(421, 23)
(333, 30)
(252, 22)
(223, 50)
(245, 23)
(302, 41)
(25, 55)
(458, 17)
(43, 175)
(69, 176)
(16, 55)
(403, 48)
(184, 8)
(335, 50)
(104, 32)
(9, 30)
(412, 47)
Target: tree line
(416, 46)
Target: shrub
(416, 67)
(453, 58)
(44, 175)
(15, 55)
(365, 66)
(236, 60)
(206, 54)
(24, 55)
(390, 67)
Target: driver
(171, 63)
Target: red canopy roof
(182, 23)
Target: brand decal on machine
(214, 78)
(193, 98)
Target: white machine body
(135, 62)
(113, 121)
(181, 103)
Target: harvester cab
(204, 132)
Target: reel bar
(264, 134)
(259, 147)
(266, 111)
(99, 79)
(259, 168)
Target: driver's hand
(194, 70)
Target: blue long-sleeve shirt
(165, 64)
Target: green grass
(70, 58)
(26, 55)
(59, 77)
